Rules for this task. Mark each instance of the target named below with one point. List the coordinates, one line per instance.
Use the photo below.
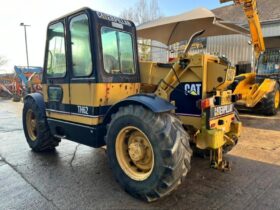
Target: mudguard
(39, 100)
(149, 101)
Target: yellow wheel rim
(31, 125)
(134, 153)
(277, 99)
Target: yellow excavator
(260, 89)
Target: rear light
(213, 125)
(206, 103)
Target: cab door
(82, 78)
(56, 87)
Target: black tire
(44, 141)
(267, 106)
(16, 98)
(170, 143)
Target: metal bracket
(217, 162)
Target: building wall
(233, 47)
(271, 29)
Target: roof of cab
(90, 11)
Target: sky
(38, 13)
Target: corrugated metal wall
(234, 47)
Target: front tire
(270, 104)
(36, 128)
(149, 153)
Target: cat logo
(193, 89)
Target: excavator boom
(251, 12)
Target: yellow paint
(215, 77)
(277, 99)
(132, 145)
(216, 138)
(91, 94)
(95, 94)
(211, 139)
(226, 127)
(251, 11)
(65, 89)
(31, 125)
(252, 93)
(210, 70)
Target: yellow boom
(251, 12)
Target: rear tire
(16, 98)
(270, 104)
(36, 128)
(169, 145)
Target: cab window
(80, 45)
(117, 46)
(269, 62)
(56, 65)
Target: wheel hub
(136, 151)
(31, 124)
(277, 99)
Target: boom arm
(251, 12)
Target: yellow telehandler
(96, 92)
(260, 90)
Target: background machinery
(27, 80)
(260, 90)
(6, 87)
(95, 92)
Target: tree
(140, 13)
(3, 60)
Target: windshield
(269, 62)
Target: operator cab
(90, 64)
(91, 45)
(269, 63)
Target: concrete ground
(79, 177)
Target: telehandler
(260, 90)
(95, 92)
